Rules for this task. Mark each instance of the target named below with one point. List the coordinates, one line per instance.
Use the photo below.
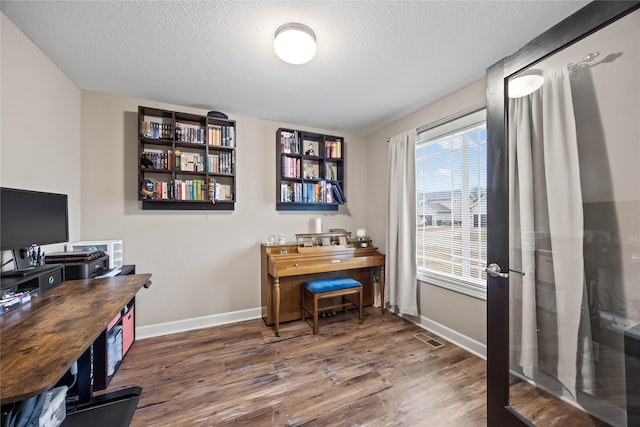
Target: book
(328, 193)
(214, 135)
(211, 188)
(229, 136)
(333, 149)
(331, 171)
(338, 194)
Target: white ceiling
(377, 61)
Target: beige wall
(57, 138)
(203, 263)
(40, 123)
(463, 314)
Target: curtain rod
(588, 58)
(454, 116)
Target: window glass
(451, 185)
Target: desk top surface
(42, 339)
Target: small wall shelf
(310, 171)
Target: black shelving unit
(310, 171)
(186, 161)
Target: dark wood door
(587, 21)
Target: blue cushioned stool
(316, 290)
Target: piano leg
(382, 289)
(276, 304)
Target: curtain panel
(401, 271)
(550, 329)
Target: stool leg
(302, 316)
(315, 314)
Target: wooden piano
(285, 266)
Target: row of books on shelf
(303, 192)
(157, 159)
(289, 142)
(191, 189)
(184, 132)
(156, 130)
(291, 167)
(189, 162)
(333, 149)
(294, 167)
(220, 163)
(222, 136)
(189, 133)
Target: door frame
(584, 22)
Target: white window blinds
(451, 185)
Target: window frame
(446, 126)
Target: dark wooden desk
(282, 274)
(42, 339)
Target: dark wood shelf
(192, 173)
(308, 163)
(153, 170)
(191, 145)
(188, 205)
(293, 206)
(216, 140)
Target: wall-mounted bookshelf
(186, 161)
(310, 170)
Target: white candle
(317, 225)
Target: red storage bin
(113, 322)
(128, 331)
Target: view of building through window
(451, 201)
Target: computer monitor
(31, 218)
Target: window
(451, 201)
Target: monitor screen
(32, 218)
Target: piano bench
(315, 290)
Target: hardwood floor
(374, 374)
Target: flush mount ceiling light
(525, 84)
(295, 43)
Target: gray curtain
(550, 330)
(401, 271)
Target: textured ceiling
(377, 61)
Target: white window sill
(456, 285)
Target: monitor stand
(15, 273)
(22, 260)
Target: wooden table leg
(382, 289)
(276, 304)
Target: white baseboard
(463, 341)
(166, 328)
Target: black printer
(80, 264)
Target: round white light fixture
(295, 43)
(525, 84)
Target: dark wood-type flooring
(374, 374)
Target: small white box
(54, 409)
(113, 248)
